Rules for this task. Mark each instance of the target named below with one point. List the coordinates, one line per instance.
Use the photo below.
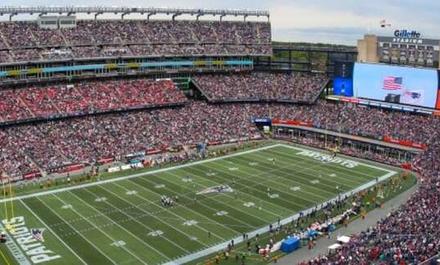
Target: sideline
(355, 227)
(85, 185)
(265, 229)
(215, 248)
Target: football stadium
(143, 135)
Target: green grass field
(121, 221)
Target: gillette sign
(406, 34)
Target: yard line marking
(265, 229)
(358, 160)
(137, 207)
(205, 205)
(294, 178)
(4, 257)
(275, 170)
(280, 170)
(211, 221)
(166, 209)
(100, 182)
(363, 175)
(117, 224)
(318, 165)
(265, 180)
(311, 168)
(278, 206)
(102, 231)
(140, 216)
(50, 229)
(80, 234)
(230, 196)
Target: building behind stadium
(404, 47)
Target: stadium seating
(262, 86)
(26, 41)
(85, 140)
(410, 234)
(115, 135)
(87, 97)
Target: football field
(123, 220)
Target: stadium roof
(69, 10)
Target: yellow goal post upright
(8, 205)
(334, 148)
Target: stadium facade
(404, 48)
(62, 46)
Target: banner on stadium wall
(32, 175)
(73, 167)
(262, 121)
(153, 151)
(350, 100)
(138, 154)
(406, 166)
(107, 160)
(408, 143)
(173, 149)
(292, 122)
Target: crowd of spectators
(86, 97)
(408, 235)
(88, 139)
(26, 41)
(361, 120)
(262, 86)
(346, 150)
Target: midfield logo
(38, 234)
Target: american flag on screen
(392, 83)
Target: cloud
(333, 35)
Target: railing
(128, 10)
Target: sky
(324, 21)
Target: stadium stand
(361, 120)
(26, 41)
(86, 98)
(408, 235)
(262, 86)
(88, 139)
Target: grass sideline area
(391, 190)
(122, 221)
(32, 186)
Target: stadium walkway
(354, 227)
